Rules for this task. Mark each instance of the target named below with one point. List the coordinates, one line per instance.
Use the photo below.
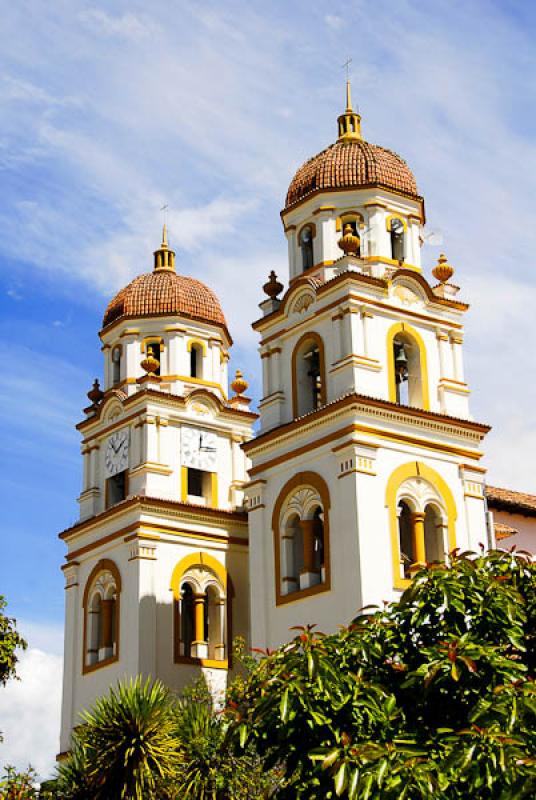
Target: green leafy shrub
(431, 696)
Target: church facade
(198, 524)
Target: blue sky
(109, 110)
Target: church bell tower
(368, 460)
(157, 565)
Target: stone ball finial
(239, 385)
(273, 287)
(150, 363)
(443, 271)
(349, 242)
(95, 394)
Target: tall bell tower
(368, 460)
(157, 565)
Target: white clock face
(116, 455)
(199, 449)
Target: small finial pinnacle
(164, 236)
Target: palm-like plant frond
(130, 742)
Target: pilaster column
(417, 537)
(275, 370)
(456, 340)
(87, 456)
(309, 575)
(219, 649)
(365, 317)
(266, 387)
(445, 360)
(199, 645)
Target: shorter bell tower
(157, 565)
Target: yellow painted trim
(194, 560)
(395, 216)
(200, 381)
(152, 340)
(184, 484)
(351, 216)
(214, 488)
(393, 263)
(403, 327)
(199, 343)
(415, 469)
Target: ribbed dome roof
(350, 165)
(164, 292)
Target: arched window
(300, 523)
(116, 364)
(434, 539)
(308, 375)
(405, 539)
(407, 367)
(196, 352)
(306, 247)
(396, 233)
(422, 516)
(154, 346)
(101, 616)
(200, 611)
(187, 620)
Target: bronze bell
(401, 362)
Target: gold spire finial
(348, 96)
(164, 258)
(350, 121)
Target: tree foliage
(10, 640)
(431, 696)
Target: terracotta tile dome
(163, 292)
(351, 165)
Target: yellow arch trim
(350, 216)
(198, 343)
(395, 216)
(403, 327)
(196, 560)
(416, 469)
(149, 340)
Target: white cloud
(31, 706)
(333, 21)
(128, 26)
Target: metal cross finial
(346, 66)
(165, 210)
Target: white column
(456, 340)
(266, 387)
(215, 350)
(86, 479)
(365, 316)
(275, 367)
(94, 466)
(72, 647)
(445, 359)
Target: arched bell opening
(308, 375)
(407, 368)
(397, 237)
(306, 239)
